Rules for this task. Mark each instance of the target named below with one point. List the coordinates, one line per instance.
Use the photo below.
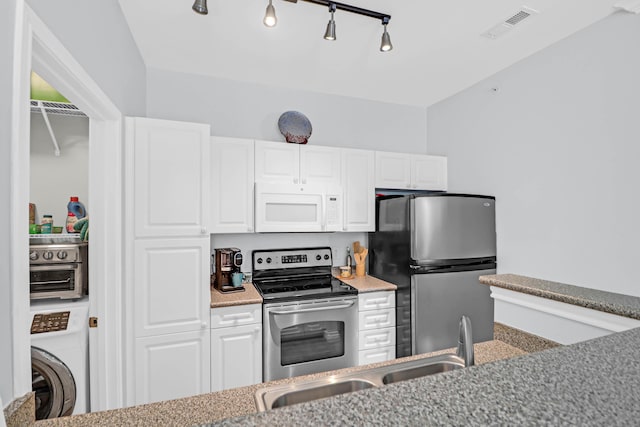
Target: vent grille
(518, 17)
(58, 108)
(508, 24)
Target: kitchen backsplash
(338, 243)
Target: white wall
(7, 27)
(250, 110)
(97, 35)
(558, 144)
(55, 179)
(338, 243)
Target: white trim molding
(37, 48)
(560, 322)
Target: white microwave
(284, 207)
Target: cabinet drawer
(377, 319)
(376, 338)
(376, 355)
(376, 300)
(223, 317)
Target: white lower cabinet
(172, 366)
(377, 321)
(236, 346)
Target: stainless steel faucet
(465, 342)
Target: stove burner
(278, 289)
(316, 286)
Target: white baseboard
(553, 320)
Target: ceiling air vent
(509, 23)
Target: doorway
(39, 50)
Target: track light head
(200, 6)
(330, 33)
(270, 19)
(385, 44)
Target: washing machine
(60, 357)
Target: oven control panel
(291, 258)
(54, 254)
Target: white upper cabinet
(410, 171)
(171, 176)
(358, 172)
(296, 164)
(232, 177)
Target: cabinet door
(429, 172)
(232, 164)
(236, 356)
(393, 170)
(170, 176)
(277, 162)
(171, 292)
(172, 366)
(376, 355)
(319, 165)
(359, 190)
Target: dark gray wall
(558, 144)
(97, 35)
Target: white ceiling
(438, 50)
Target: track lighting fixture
(200, 6)
(330, 34)
(270, 19)
(385, 44)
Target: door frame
(36, 47)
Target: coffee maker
(227, 262)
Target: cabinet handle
(203, 230)
(295, 180)
(304, 180)
(256, 330)
(249, 228)
(204, 325)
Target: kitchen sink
(321, 391)
(420, 371)
(307, 390)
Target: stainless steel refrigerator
(434, 247)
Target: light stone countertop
(365, 283)
(249, 296)
(217, 406)
(608, 302)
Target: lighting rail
(270, 20)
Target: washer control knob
(48, 255)
(62, 255)
(33, 255)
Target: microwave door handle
(309, 310)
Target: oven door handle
(52, 282)
(309, 310)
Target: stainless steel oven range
(58, 269)
(310, 319)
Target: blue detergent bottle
(77, 208)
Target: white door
(358, 177)
(393, 170)
(171, 285)
(172, 366)
(429, 172)
(232, 177)
(236, 356)
(277, 162)
(171, 177)
(319, 165)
